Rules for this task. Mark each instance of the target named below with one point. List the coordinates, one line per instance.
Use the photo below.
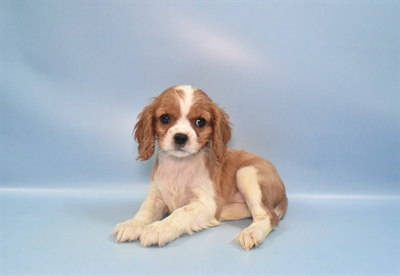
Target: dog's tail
(280, 209)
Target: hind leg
(263, 218)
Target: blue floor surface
(69, 232)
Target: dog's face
(181, 128)
(185, 121)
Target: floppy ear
(221, 133)
(144, 133)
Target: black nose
(180, 139)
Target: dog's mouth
(178, 152)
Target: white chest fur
(181, 180)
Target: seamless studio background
(310, 85)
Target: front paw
(250, 237)
(129, 230)
(158, 233)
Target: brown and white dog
(196, 180)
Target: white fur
(182, 186)
(186, 103)
(248, 185)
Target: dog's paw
(158, 233)
(129, 230)
(250, 237)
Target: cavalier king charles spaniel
(197, 181)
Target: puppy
(196, 180)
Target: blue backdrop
(312, 86)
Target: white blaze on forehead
(187, 100)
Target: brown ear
(144, 133)
(221, 133)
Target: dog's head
(185, 121)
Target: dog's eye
(200, 122)
(165, 119)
